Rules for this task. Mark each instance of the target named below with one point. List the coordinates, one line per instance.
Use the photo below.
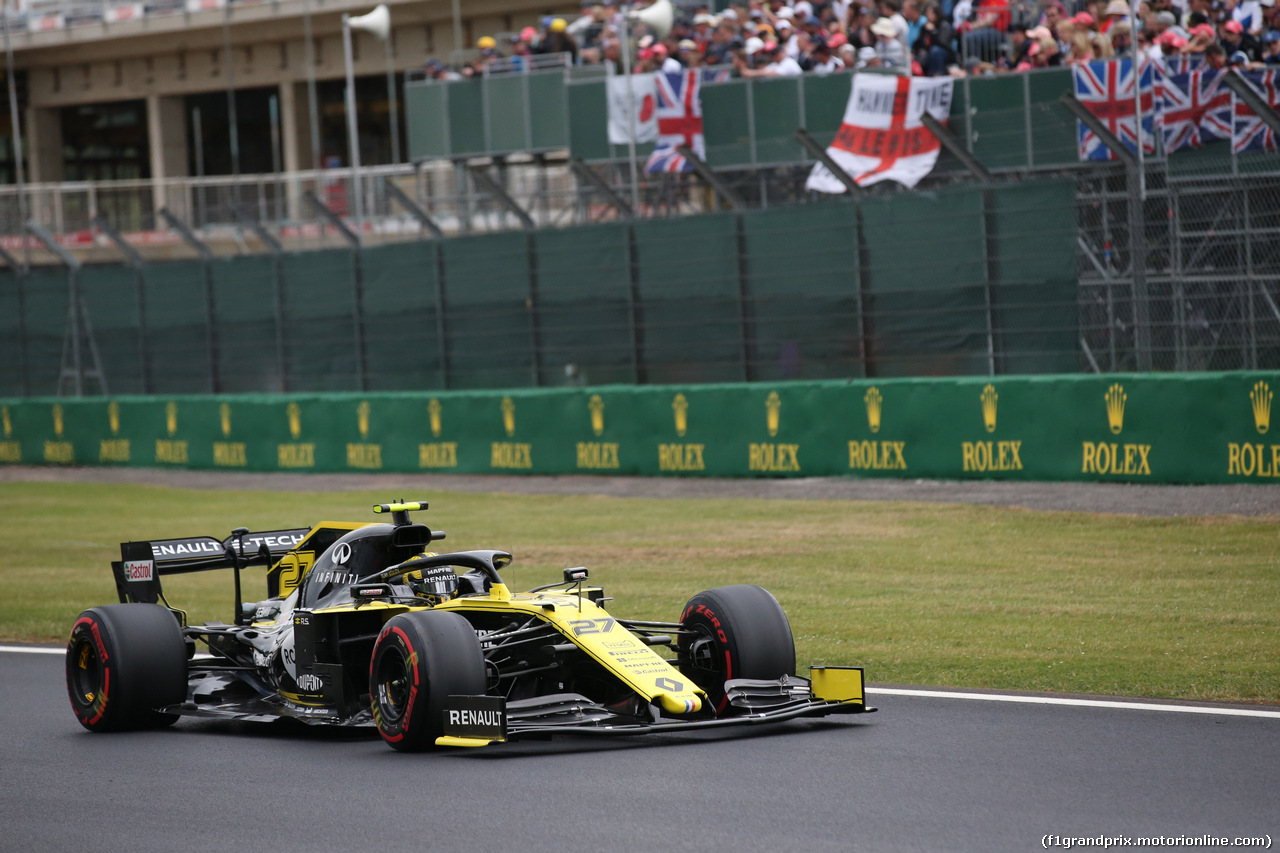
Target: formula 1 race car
(364, 626)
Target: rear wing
(141, 564)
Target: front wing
(482, 720)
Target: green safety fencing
(1009, 122)
(1187, 428)
(956, 282)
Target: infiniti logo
(341, 554)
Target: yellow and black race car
(364, 626)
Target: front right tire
(734, 632)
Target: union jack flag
(1195, 108)
(1106, 88)
(679, 114)
(716, 75)
(1182, 63)
(1250, 132)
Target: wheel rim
(86, 674)
(393, 684)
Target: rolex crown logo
(1115, 398)
(57, 419)
(294, 411)
(597, 414)
(773, 412)
(362, 419)
(989, 397)
(680, 408)
(509, 416)
(874, 401)
(113, 416)
(1261, 397)
(224, 415)
(433, 413)
(171, 417)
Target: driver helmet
(436, 584)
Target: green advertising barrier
(1186, 428)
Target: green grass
(918, 593)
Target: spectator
(557, 40)
(1117, 12)
(688, 54)
(787, 38)
(1247, 13)
(984, 41)
(1201, 39)
(822, 60)
(888, 47)
(724, 40)
(891, 9)
(932, 49)
(1215, 56)
(1234, 38)
(1271, 48)
(665, 62)
(1121, 38)
(779, 65)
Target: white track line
(937, 694)
(1079, 703)
(33, 650)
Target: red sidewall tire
(747, 634)
(123, 662)
(420, 660)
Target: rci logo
(362, 419)
(874, 401)
(597, 414)
(680, 408)
(433, 414)
(989, 398)
(509, 416)
(773, 412)
(1261, 398)
(171, 417)
(113, 417)
(294, 412)
(1116, 398)
(224, 415)
(57, 419)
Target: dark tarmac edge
(1250, 500)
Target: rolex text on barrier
(1151, 428)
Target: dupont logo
(139, 570)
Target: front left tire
(421, 659)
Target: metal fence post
(1138, 271)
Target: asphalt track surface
(925, 773)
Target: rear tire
(738, 632)
(123, 662)
(420, 660)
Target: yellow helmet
(486, 43)
(557, 25)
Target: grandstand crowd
(768, 38)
